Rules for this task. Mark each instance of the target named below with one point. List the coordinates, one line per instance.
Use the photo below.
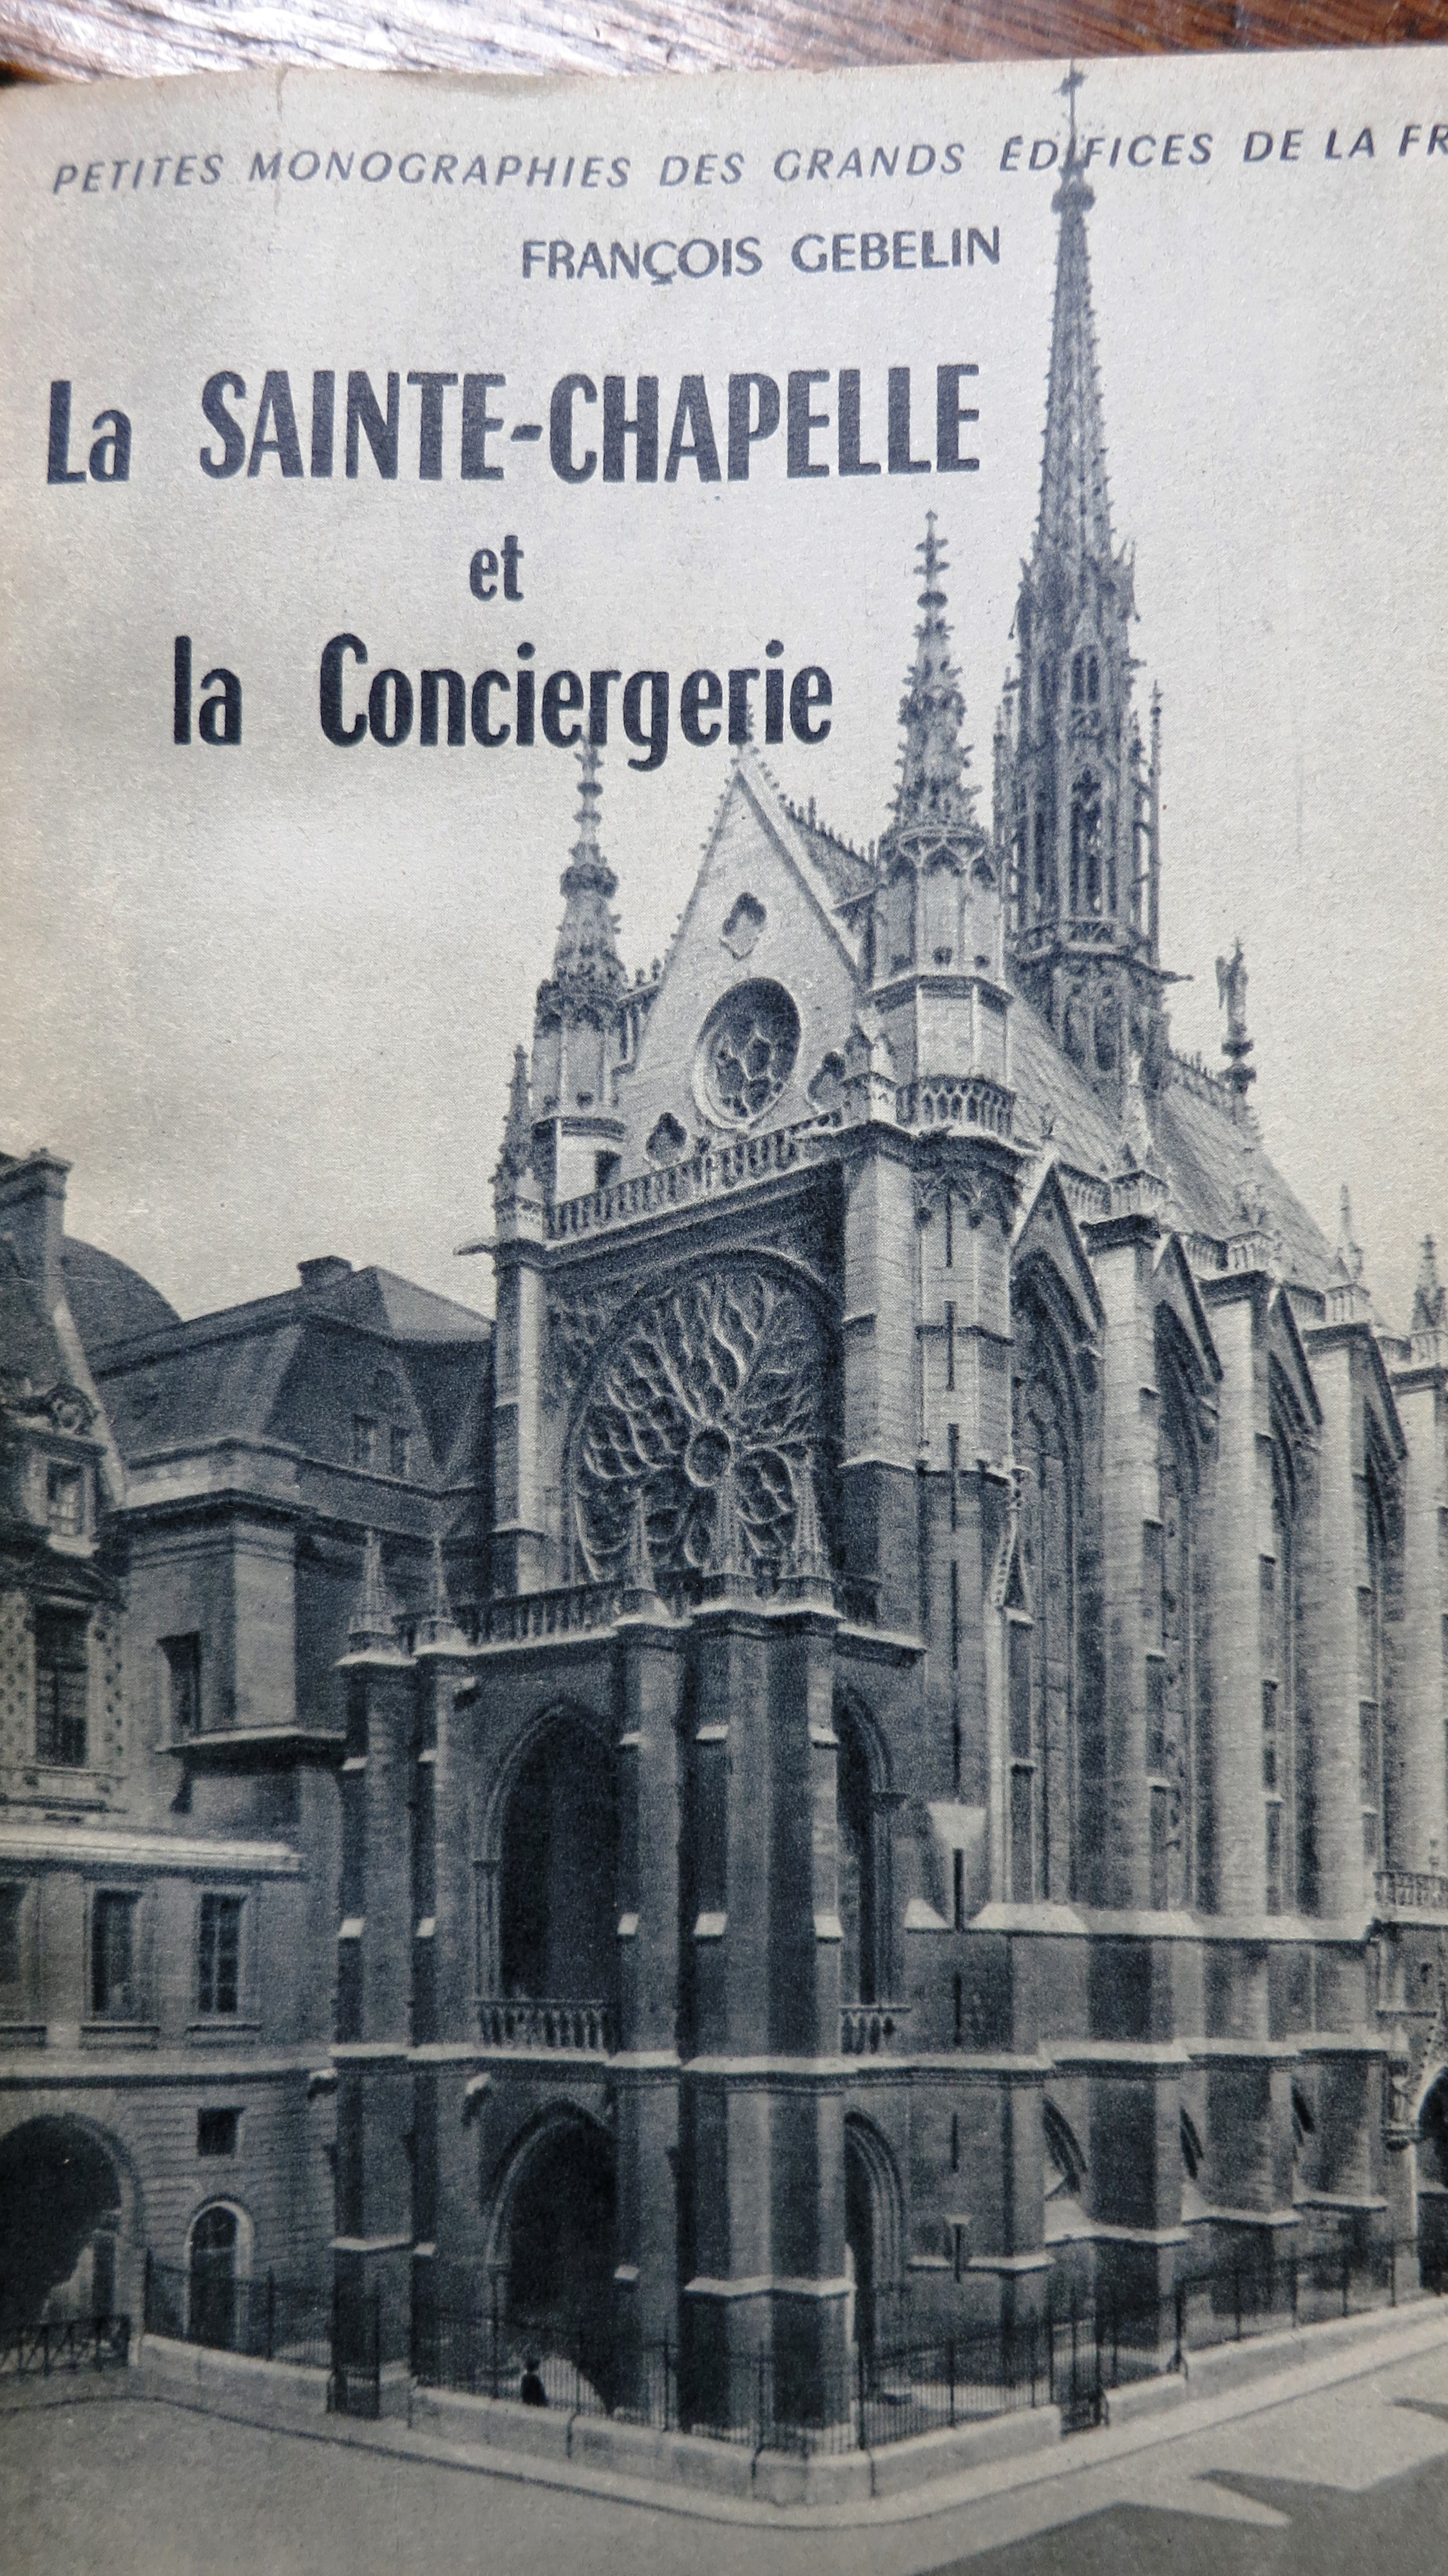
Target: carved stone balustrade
(518, 2022)
(872, 2030)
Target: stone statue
(1232, 989)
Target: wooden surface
(76, 39)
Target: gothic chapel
(949, 1782)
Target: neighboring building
(182, 1526)
(891, 1726)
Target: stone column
(372, 2249)
(652, 1652)
(1330, 1625)
(1421, 1712)
(881, 1371)
(520, 1538)
(1122, 1250)
(1238, 1311)
(762, 2121)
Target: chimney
(323, 1273)
(32, 1220)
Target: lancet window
(1086, 843)
(1171, 1675)
(1372, 1570)
(1043, 1786)
(1280, 1765)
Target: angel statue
(1232, 989)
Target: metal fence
(892, 2386)
(1073, 2355)
(266, 2318)
(64, 2343)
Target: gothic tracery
(723, 1377)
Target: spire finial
(809, 1557)
(1075, 79)
(516, 1157)
(932, 789)
(1349, 1254)
(640, 1591)
(373, 1627)
(438, 1627)
(728, 1555)
(587, 967)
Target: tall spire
(932, 790)
(1075, 520)
(1078, 803)
(587, 968)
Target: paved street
(1347, 2476)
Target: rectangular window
(952, 1445)
(62, 1687)
(216, 2132)
(115, 1994)
(1270, 1780)
(218, 1965)
(1274, 1859)
(957, 1888)
(364, 1440)
(399, 1451)
(12, 1900)
(65, 1500)
(183, 1685)
(949, 1342)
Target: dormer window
(65, 1500)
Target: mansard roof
(256, 1371)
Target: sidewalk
(1222, 2385)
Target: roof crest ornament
(1236, 1045)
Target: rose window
(747, 1052)
(724, 1379)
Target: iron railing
(264, 2318)
(64, 2343)
(892, 2386)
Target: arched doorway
(558, 1895)
(1433, 2185)
(60, 2215)
(873, 2238)
(212, 2268)
(556, 2245)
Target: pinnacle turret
(588, 972)
(373, 1626)
(932, 790)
